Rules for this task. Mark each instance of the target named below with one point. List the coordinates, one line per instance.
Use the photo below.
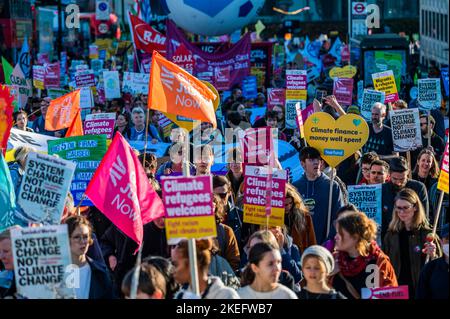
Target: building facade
(434, 40)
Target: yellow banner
(296, 94)
(257, 215)
(347, 71)
(191, 227)
(443, 177)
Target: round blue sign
(103, 6)
(413, 93)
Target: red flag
(145, 37)
(121, 191)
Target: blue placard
(250, 87)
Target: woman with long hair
(427, 168)
(360, 263)
(297, 219)
(406, 241)
(260, 277)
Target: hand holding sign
(336, 139)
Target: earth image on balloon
(215, 17)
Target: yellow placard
(347, 71)
(190, 124)
(257, 215)
(336, 139)
(296, 94)
(443, 176)
(191, 227)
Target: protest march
(221, 150)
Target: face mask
(445, 249)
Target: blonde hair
(419, 219)
(21, 153)
(358, 225)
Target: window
(422, 30)
(445, 28)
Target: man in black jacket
(399, 171)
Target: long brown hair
(434, 170)
(419, 219)
(299, 210)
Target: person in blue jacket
(314, 186)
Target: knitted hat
(322, 253)
(353, 109)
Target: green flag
(7, 70)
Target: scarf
(351, 267)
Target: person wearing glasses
(406, 240)
(95, 278)
(39, 124)
(379, 172)
(399, 172)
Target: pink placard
(307, 112)
(296, 80)
(257, 146)
(221, 78)
(101, 123)
(387, 293)
(343, 90)
(275, 97)
(85, 80)
(187, 196)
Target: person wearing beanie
(317, 264)
(353, 109)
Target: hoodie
(315, 196)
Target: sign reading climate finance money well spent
(86, 151)
(44, 188)
(406, 133)
(255, 196)
(189, 208)
(42, 262)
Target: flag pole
(436, 218)
(330, 197)
(146, 138)
(136, 273)
(195, 287)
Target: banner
(184, 59)
(7, 196)
(174, 91)
(429, 94)
(121, 191)
(135, 83)
(41, 262)
(255, 195)
(443, 176)
(100, 123)
(112, 84)
(385, 82)
(343, 90)
(24, 138)
(370, 97)
(367, 198)
(189, 208)
(87, 152)
(389, 293)
(237, 57)
(275, 97)
(406, 134)
(44, 188)
(336, 139)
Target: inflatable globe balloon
(213, 17)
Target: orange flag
(175, 91)
(76, 128)
(62, 112)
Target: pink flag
(121, 191)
